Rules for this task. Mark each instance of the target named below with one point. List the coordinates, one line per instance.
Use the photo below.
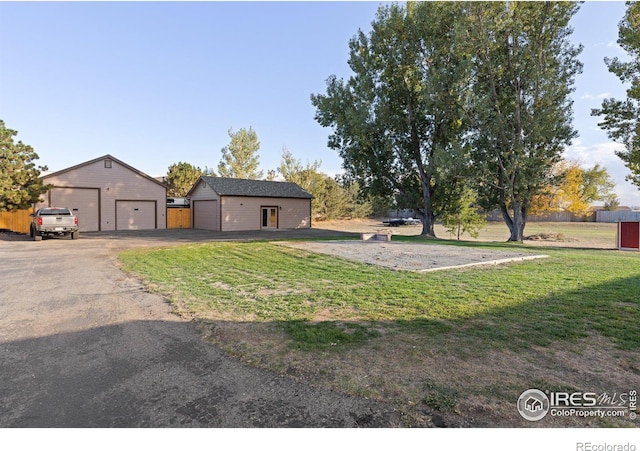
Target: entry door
(630, 235)
(269, 217)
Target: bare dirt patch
(411, 257)
(549, 236)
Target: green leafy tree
(611, 202)
(622, 117)
(524, 70)
(360, 205)
(308, 178)
(240, 158)
(292, 170)
(332, 198)
(398, 117)
(332, 201)
(597, 184)
(463, 215)
(180, 178)
(20, 183)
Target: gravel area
(411, 256)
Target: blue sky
(154, 83)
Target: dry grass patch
(424, 380)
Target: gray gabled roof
(254, 188)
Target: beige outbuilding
(227, 204)
(108, 194)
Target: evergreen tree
(20, 183)
(180, 178)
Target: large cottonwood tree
(524, 70)
(397, 121)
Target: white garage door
(135, 214)
(84, 204)
(205, 214)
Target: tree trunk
(428, 218)
(428, 222)
(517, 223)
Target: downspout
(220, 213)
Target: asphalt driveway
(84, 345)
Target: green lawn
(566, 296)
(341, 322)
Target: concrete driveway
(84, 345)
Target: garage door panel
(84, 202)
(205, 214)
(135, 215)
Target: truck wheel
(34, 234)
(75, 235)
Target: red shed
(629, 235)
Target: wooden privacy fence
(16, 221)
(19, 221)
(178, 218)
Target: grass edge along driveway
(459, 344)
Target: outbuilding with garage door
(228, 204)
(108, 194)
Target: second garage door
(205, 215)
(136, 214)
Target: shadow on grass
(611, 309)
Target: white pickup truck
(54, 221)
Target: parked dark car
(402, 221)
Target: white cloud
(629, 195)
(603, 153)
(610, 44)
(614, 45)
(602, 95)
